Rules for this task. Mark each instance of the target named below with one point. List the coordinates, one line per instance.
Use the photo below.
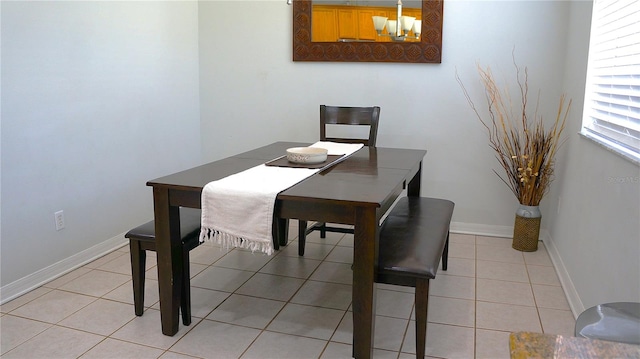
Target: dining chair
(335, 118)
(143, 238)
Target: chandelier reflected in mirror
(399, 29)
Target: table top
(526, 345)
(367, 177)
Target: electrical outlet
(59, 216)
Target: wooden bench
(143, 238)
(413, 238)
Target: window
(612, 98)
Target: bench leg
(138, 261)
(185, 301)
(422, 305)
(445, 253)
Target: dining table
(357, 191)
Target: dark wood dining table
(356, 191)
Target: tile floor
(282, 306)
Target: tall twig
(524, 149)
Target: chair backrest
(335, 115)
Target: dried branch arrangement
(524, 149)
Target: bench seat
(413, 238)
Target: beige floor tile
(323, 294)
(458, 266)
(346, 241)
(121, 265)
(311, 250)
(105, 259)
(247, 311)
(172, 355)
(551, 297)
(452, 311)
(124, 293)
(332, 238)
(394, 304)
(491, 344)
(146, 330)
(96, 283)
(494, 241)
(389, 333)
(498, 254)
(312, 322)
(298, 267)
(555, 321)
(23, 299)
(206, 253)
(15, 331)
(203, 301)
(333, 272)
(337, 351)
(60, 281)
(500, 291)
(462, 238)
(462, 250)
(278, 345)
(341, 254)
(54, 306)
(55, 342)
(502, 271)
(271, 287)
(539, 257)
(344, 332)
(100, 317)
(443, 341)
(453, 287)
(243, 260)
(507, 317)
(215, 340)
(112, 348)
(543, 275)
(194, 269)
(223, 279)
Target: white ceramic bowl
(308, 155)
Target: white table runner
(237, 211)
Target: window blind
(612, 98)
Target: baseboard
(45, 275)
(565, 280)
(482, 229)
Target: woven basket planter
(526, 229)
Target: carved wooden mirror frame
(428, 50)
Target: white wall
(97, 98)
(253, 94)
(595, 226)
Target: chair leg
(138, 261)
(185, 301)
(302, 236)
(445, 253)
(422, 305)
(323, 230)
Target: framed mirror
(427, 50)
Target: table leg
(364, 296)
(169, 254)
(413, 189)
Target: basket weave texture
(525, 234)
